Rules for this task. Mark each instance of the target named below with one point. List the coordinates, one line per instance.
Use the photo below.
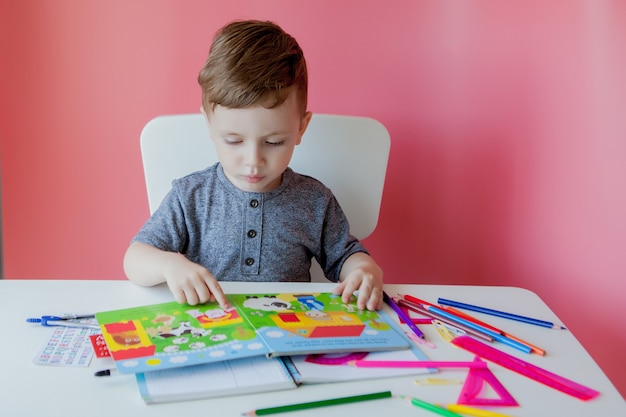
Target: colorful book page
(171, 335)
(304, 323)
(336, 367)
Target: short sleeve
(337, 242)
(166, 228)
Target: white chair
(348, 154)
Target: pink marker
(418, 364)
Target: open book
(171, 335)
(260, 374)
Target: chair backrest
(348, 154)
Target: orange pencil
(467, 317)
(419, 309)
(414, 300)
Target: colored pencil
(498, 313)
(431, 407)
(471, 318)
(471, 411)
(461, 314)
(497, 336)
(406, 319)
(420, 309)
(321, 403)
(416, 300)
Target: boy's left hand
(360, 273)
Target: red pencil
(416, 300)
(466, 316)
(419, 309)
(417, 303)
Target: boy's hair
(253, 62)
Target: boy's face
(255, 144)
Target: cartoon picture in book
(170, 335)
(315, 322)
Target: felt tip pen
(105, 372)
(44, 319)
(405, 318)
(417, 364)
(69, 320)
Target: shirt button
(251, 233)
(249, 261)
(254, 203)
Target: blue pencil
(496, 336)
(406, 319)
(497, 313)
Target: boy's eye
(232, 141)
(275, 143)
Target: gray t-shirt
(247, 236)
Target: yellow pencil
(477, 412)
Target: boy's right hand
(191, 283)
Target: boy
(250, 217)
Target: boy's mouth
(253, 179)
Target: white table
(45, 391)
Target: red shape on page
(99, 346)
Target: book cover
(220, 379)
(171, 335)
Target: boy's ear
(304, 123)
(206, 119)
(206, 116)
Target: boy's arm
(360, 272)
(189, 282)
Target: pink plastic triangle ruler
(475, 383)
(525, 368)
(478, 375)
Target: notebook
(219, 379)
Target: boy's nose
(254, 156)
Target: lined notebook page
(234, 377)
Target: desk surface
(45, 391)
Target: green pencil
(322, 403)
(431, 407)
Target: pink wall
(507, 124)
